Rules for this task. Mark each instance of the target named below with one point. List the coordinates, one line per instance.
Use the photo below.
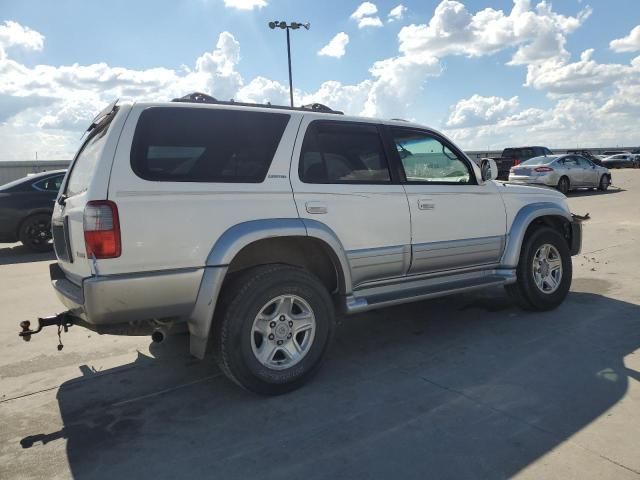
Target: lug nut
(272, 324)
(290, 323)
(282, 318)
(271, 336)
(279, 342)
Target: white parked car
(565, 172)
(252, 224)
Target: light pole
(291, 26)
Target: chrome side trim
(521, 222)
(411, 291)
(377, 263)
(201, 317)
(451, 254)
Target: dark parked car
(515, 156)
(621, 160)
(26, 206)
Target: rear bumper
(116, 299)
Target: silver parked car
(622, 160)
(565, 172)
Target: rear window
(86, 161)
(540, 160)
(205, 145)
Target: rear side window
(205, 145)
(343, 152)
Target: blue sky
(495, 77)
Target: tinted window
(426, 159)
(86, 161)
(583, 162)
(570, 162)
(205, 145)
(51, 184)
(540, 160)
(341, 152)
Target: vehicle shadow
(589, 192)
(464, 387)
(18, 253)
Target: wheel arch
(528, 218)
(306, 243)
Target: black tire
(525, 291)
(241, 301)
(35, 233)
(564, 185)
(604, 183)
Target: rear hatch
(87, 176)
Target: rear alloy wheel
(544, 271)
(604, 183)
(563, 185)
(273, 326)
(35, 233)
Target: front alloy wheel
(547, 268)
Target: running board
(415, 290)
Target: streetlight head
(307, 25)
(283, 24)
(272, 25)
(295, 25)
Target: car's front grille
(60, 234)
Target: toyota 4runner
(252, 225)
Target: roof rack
(198, 97)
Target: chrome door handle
(315, 208)
(426, 204)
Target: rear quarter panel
(170, 225)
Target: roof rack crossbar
(198, 97)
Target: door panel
(455, 223)
(340, 177)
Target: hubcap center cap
(281, 331)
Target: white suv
(253, 224)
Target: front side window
(205, 145)
(51, 184)
(426, 159)
(343, 152)
(570, 162)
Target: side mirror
(489, 169)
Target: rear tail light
(543, 169)
(516, 162)
(102, 229)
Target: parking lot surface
(461, 387)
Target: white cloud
(630, 43)
(452, 30)
(336, 46)
(396, 13)
(585, 75)
(245, 4)
(12, 34)
(478, 110)
(365, 15)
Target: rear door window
(51, 184)
(343, 152)
(205, 145)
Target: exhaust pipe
(159, 335)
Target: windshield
(540, 160)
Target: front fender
(521, 222)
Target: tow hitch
(62, 320)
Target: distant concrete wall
(10, 171)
